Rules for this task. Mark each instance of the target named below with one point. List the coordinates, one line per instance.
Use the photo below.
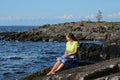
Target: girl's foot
(50, 73)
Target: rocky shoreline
(107, 31)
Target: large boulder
(91, 50)
(111, 51)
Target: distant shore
(107, 31)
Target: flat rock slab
(97, 71)
(115, 76)
(88, 72)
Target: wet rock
(51, 40)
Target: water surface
(18, 59)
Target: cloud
(13, 18)
(78, 17)
(9, 18)
(65, 16)
(16, 18)
(31, 18)
(69, 16)
(114, 15)
(90, 17)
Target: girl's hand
(66, 55)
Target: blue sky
(38, 12)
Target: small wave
(7, 73)
(49, 52)
(20, 57)
(3, 59)
(16, 58)
(19, 72)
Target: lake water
(18, 59)
(15, 28)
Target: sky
(39, 12)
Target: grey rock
(100, 71)
(88, 31)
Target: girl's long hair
(71, 36)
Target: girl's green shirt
(70, 48)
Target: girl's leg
(59, 67)
(54, 67)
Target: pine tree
(99, 16)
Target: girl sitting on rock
(70, 57)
